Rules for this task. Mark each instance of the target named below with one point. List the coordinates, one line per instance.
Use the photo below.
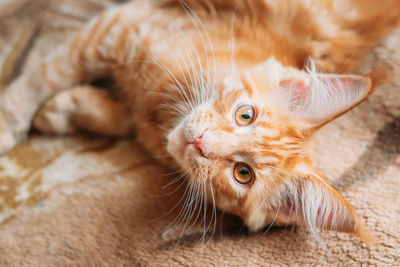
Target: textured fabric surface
(84, 200)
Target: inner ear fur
(310, 201)
(320, 98)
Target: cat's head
(246, 143)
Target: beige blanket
(94, 201)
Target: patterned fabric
(96, 201)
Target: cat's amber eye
(242, 173)
(244, 115)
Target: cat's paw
(55, 116)
(54, 122)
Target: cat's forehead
(250, 89)
(240, 86)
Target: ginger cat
(223, 87)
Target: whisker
(173, 191)
(276, 214)
(214, 214)
(172, 173)
(174, 180)
(170, 75)
(181, 70)
(182, 214)
(193, 69)
(205, 215)
(189, 213)
(198, 206)
(174, 207)
(193, 17)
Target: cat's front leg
(95, 51)
(84, 108)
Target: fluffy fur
(183, 68)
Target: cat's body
(222, 82)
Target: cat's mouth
(185, 149)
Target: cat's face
(246, 144)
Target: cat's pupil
(246, 116)
(244, 171)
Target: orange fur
(183, 69)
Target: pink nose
(198, 143)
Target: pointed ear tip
(365, 234)
(359, 229)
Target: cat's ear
(309, 200)
(319, 98)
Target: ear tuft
(363, 233)
(319, 98)
(312, 202)
(382, 74)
